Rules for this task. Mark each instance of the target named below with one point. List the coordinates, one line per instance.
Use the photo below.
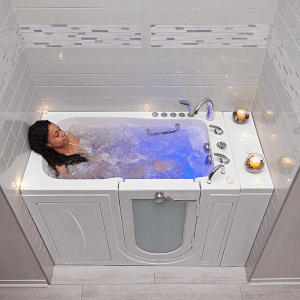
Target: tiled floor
(147, 282)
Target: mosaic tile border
(285, 70)
(65, 35)
(213, 36)
(9, 59)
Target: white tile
(221, 79)
(272, 292)
(97, 54)
(232, 16)
(111, 67)
(71, 80)
(137, 91)
(163, 291)
(37, 54)
(88, 91)
(131, 80)
(58, 92)
(101, 80)
(33, 66)
(92, 16)
(118, 91)
(171, 92)
(136, 67)
(252, 4)
(53, 67)
(104, 104)
(84, 67)
(179, 80)
(241, 67)
(116, 3)
(234, 91)
(262, 16)
(28, 16)
(38, 3)
(58, 16)
(256, 54)
(247, 79)
(274, 3)
(125, 16)
(183, 16)
(16, 3)
(130, 104)
(63, 54)
(196, 275)
(203, 92)
(221, 54)
(69, 292)
(74, 3)
(258, 67)
(112, 275)
(282, 6)
(127, 54)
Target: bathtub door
(159, 222)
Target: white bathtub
(117, 222)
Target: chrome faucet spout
(213, 172)
(210, 108)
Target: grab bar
(165, 131)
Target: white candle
(241, 114)
(254, 161)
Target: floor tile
(162, 291)
(250, 292)
(103, 275)
(68, 292)
(199, 275)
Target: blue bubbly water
(127, 151)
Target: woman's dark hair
(38, 138)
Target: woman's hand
(62, 170)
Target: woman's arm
(62, 170)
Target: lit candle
(287, 162)
(248, 150)
(254, 161)
(241, 114)
(229, 180)
(257, 180)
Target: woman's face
(56, 137)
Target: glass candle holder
(254, 163)
(240, 115)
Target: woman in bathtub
(60, 149)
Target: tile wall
(108, 59)
(19, 108)
(277, 113)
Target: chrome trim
(164, 131)
(213, 172)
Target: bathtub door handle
(160, 198)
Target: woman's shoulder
(72, 138)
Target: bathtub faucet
(212, 173)
(210, 108)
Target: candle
(241, 114)
(287, 162)
(254, 161)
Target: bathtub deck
(149, 282)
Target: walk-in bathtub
(120, 221)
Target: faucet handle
(223, 158)
(218, 130)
